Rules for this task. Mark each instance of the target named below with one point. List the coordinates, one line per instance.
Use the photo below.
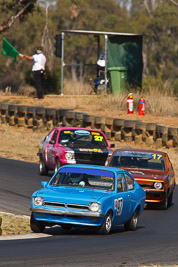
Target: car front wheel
(107, 224)
(165, 203)
(36, 226)
(58, 165)
(42, 167)
(132, 223)
(170, 199)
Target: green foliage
(52, 82)
(157, 20)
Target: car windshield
(83, 138)
(135, 160)
(85, 178)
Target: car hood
(147, 174)
(71, 195)
(80, 148)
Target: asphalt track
(154, 242)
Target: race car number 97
(98, 138)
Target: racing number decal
(98, 138)
(118, 205)
(157, 156)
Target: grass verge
(14, 224)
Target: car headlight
(69, 155)
(95, 207)
(158, 185)
(38, 201)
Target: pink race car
(73, 145)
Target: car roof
(77, 128)
(153, 151)
(96, 167)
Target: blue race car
(90, 196)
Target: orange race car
(152, 169)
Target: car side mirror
(44, 183)
(52, 142)
(112, 145)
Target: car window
(169, 164)
(48, 137)
(130, 182)
(121, 183)
(55, 135)
(88, 180)
(84, 138)
(138, 161)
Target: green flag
(9, 50)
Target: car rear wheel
(42, 167)
(107, 225)
(58, 165)
(36, 226)
(131, 225)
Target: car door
(131, 191)
(122, 202)
(52, 149)
(47, 149)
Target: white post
(105, 70)
(62, 64)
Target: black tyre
(99, 120)
(12, 108)
(40, 110)
(118, 122)
(170, 199)
(151, 126)
(42, 167)
(109, 121)
(4, 107)
(36, 226)
(31, 110)
(165, 203)
(66, 227)
(140, 125)
(62, 112)
(107, 225)
(51, 112)
(131, 225)
(129, 124)
(70, 115)
(79, 115)
(22, 109)
(172, 131)
(89, 118)
(58, 165)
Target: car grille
(147, 186)
(66, 205)
(90, 158)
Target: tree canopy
(155, 19)
(13, 11)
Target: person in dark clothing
(38, 68)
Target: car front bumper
(55, 216)
(155, 196)
(68, 213)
